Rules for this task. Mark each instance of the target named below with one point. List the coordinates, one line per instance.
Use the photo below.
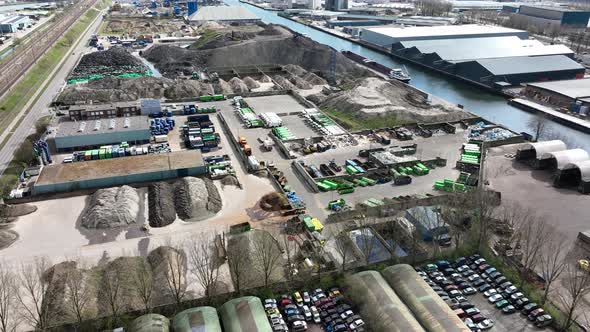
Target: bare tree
(552, 259)
(538, 125)
(267, 256)
(576, 285)
(531, 235)
(238, 260)
(343, 246)
(203, 263)
(33, 297)
(8, 298)
(112, 290)
(290, 246)
(78, 288)
(173, 270)
(367, 238)
(143, 283)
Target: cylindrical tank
(430, 310)
(382, 307)
(203, 319)
(150, 323)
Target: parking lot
(482, 297)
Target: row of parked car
(295, 312)
(468, 275)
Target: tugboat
(393, 73)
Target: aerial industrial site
(294, 165)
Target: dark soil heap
(112, 62)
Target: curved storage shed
(535, 150)
(244, 314)
(575, 174)
(150, 323)
(559, 159)
(430, 310)
(201, 319)
(383, 308)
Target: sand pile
(112, 207)
(265, 79)
(223, 87)
(273, 202)
(377, 97)
(250, 82)
(238, 86)
(196, 198)
(283, 82)
(230, 180)
(300, 83)
(161, 204)
(314, 79)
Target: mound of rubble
(238, 86)
(112, 62)
(112, 207)
(161, 204)
(375, 97)
(250, 83)
(196, 198)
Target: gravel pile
(283, 82)
(230, 180)
(301, 83)
(314, 79)
(161, 204)
(112, 207)
(265, 79)
(238, 86)
(196, 198)
(223, 87)
(251, 83)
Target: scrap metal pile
(115, 61)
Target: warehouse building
(106, 173)
(381, 304)
(81, 135)
(388, 35)
(502, 72)
(561, 93)
(558, 16)
(202, 319)
(430, 310)
(227, 14)
(244, 314)
(101, 111)
(11, 24)
(431, 51)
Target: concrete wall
(117, 180)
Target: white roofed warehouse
(227, 14)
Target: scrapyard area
(218, 160)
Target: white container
(160, 138)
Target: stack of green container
(449, 185)
(373, 202)
(471, 154)
(351, 170)
(283, 133)
(212, 98)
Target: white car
(473, 277)
(462, 268)
(356, 324)
(306, 298)
(299, 325)
(495, 298)
(490, 292)
(480, 261)
(485, 324)
(307, 313)
(346, 314)
(316, 315)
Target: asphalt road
(41, 106)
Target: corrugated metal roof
(571, 88)
(223, 13)
(521, 65)
(484, 48)
(13, 19)
(447, 30)
(244, 314)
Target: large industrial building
(100, 111)
(388, 35)
(106, 173)
(557, 16)
(227, 14)
(244, 314)
(11, 24)
(562, 93)
(336, 5)
(80, 135)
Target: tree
(290, 246)
(367, 238)
(531, 235)
(203, 263)
(238, 259)
(173, 270)
(78, 291)
(538, 124)
(8, 298)
(343, 246)
(112, 289)
(34, 296)
(266, 254)
(576, 285)
(143, 283)
(552, 259)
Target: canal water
(475, 100)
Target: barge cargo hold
(394, 73)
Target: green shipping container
(323, 187)
(205, 98)
(351, 170)
(346, 191)
(218, 97)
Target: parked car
(528, 308)
(471, 325)
(501, 304)
(299, 325)
(490, 292)
(535, 313)
(480, 261)
(356, 324)
(520, 303)
(511, 289)
(495, 298)
(472, 312)
(509, 309)
(477, 318)
(486, 324)
(484, 288)
(516, 296)
(306, 298)
(478, 282)
(454, 293)
(543, 320)
(307, 313)
(469, 291)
